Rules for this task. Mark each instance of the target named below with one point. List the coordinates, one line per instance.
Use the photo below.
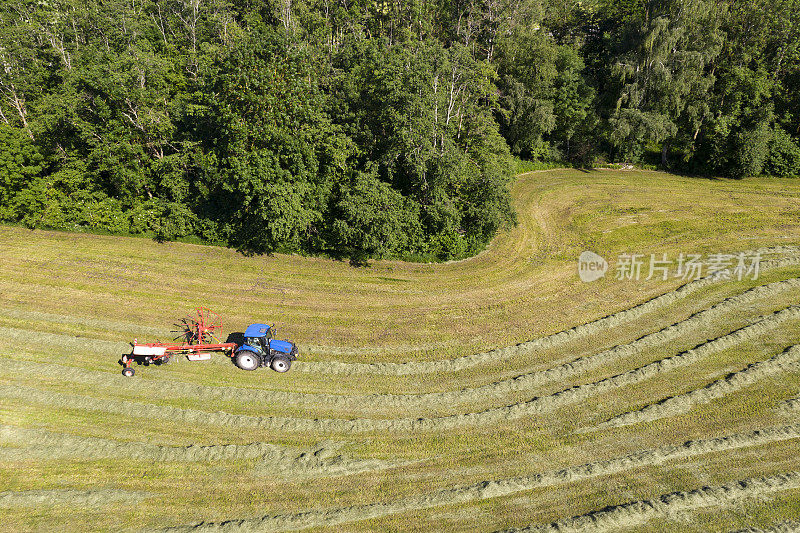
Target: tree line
(372, 128)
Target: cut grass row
(502, 488)
(638, 513)
(322, 460)
(533, 407)
(684, 402)
(354, 404)
(87, 352)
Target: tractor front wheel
(281, 364)
(128, 372)
(247, 360)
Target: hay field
(496, 393)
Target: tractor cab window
(267, 331)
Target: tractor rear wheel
(247, 360)
(128, 372)
(281, 364)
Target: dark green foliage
(420, 112)
(752, 149)
(371, 129)
(21, 182)
(371, 218)
(784, 156)
(361, 129)
(275, 153)
(753, 95)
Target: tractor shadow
(237, 337)
(143, 360)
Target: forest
(368, 128)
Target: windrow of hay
(582, 364)
(70, 497)
(493, 415)
(322, 349)
(640, 512)
(676, 405)
(787, 526)
(504, 487)
(322, 460)
(549, 341)
(792, 404)
(381, 401)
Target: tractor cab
(258, 336)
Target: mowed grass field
(499, 392)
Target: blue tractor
(260, 349)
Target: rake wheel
(202, 327)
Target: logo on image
(591, 266)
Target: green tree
(272, 153)
(663, 73)
(420, 112)
(751, 95)
(370, 219)
(20, 168)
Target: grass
(69, 303)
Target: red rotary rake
(199, 341)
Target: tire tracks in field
(682, 403)
(322, 460)
(357, 402)
(515, 411)
(64, 343)
(546, 342)
(637, 513)
(505, 487)
(139, 330)
(72, 497)
(98, 323)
